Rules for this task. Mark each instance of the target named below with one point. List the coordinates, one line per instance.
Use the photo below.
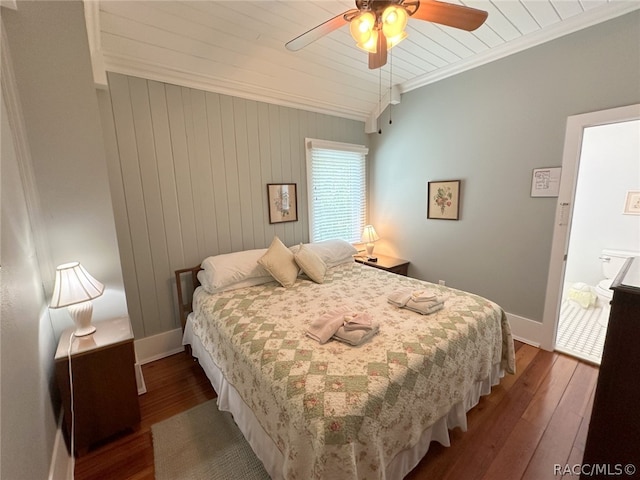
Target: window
(337, 188)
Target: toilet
(611, 261)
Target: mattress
(337, 411)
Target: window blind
(336, 176)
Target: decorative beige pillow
(279, 262)
(310, 263)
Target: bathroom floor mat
(581, 331)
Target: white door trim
(564, 208)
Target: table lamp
(75, 288)
(369, 236)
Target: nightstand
(390, 264)
(105, 394)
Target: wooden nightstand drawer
(390, 264)
(105, 393)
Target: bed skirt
(266, 450)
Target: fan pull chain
(379, 98)
(390, 84)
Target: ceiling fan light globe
(394, 20)
(370, 44)
(393, 41)
(362, 26)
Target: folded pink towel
(356, 338)
(323, 327)
(357, 321)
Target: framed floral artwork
(443, 200)
(283, 202)
(632, 203)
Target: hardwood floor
(174, 384)
(532, 421)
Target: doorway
(566, 209)
(609, 168)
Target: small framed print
(283, 202)
(632, 203)
(545, 182)
(443, 200)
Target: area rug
(203, 443)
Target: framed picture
(545, 182)
(443, 200)
(283, 202)
(632, 203)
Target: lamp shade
(74, 285)
(369, 234)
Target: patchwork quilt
(338, 411)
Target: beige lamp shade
(369, 236)
(75, 288)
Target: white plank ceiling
(237, 47)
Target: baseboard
(140, 383)
(158, 346)
(61, 467)
(525, 330)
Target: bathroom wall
(609, 167)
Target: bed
(333, 410)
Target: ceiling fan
(378, 25)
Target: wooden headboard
(185, 294)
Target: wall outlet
(440, 282)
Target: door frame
(576, 125)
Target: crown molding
(92, 22)
(566, 27)
(588, 19)
(129, 65)
(12, 4)
(138, 68)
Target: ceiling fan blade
(319, 31)
(378, 59)
(457, 16)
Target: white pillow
(279, 262)
(332, 252)
(310, 263)
(220, 271)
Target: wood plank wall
(188, 171)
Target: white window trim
(311, 143)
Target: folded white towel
(323, 328)
(399, 298)
(356, 337)
(423, 295)
(420, 308)
(425, 305)
(405, 298)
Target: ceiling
(237, 47)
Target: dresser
(613, 439)
(105, 393)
